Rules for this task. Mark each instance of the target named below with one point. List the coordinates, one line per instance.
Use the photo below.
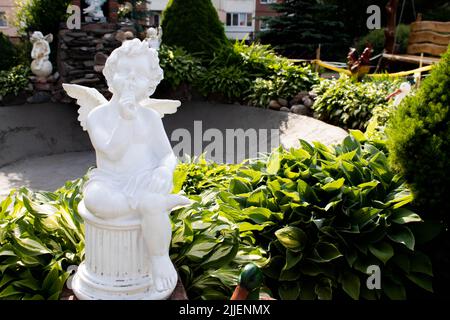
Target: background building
(263, 9)
(7, 8)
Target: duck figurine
(250, 282)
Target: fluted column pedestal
(116, 263)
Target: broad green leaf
(292, 259)
(335, 185)
(200, 248)
(260, 215)
(403, 236)
(326, 252)
(351, 285)
(358, 135)
(323, 290)
(289, 290)
(239, 186)
(292, 238)
(421, 280)
(306, 192)
(402, 216)
(33, 247)
(9, 291)
(179, 177)
(393, 290)
(273, 165)
(382, 251)
(421, 263)
(247, 226)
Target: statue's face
(131, 77)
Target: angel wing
(162, 106)
(87, 98)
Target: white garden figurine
(154, 37)
(41, 66)
(401, 93)
(127, 198)
(94, 11)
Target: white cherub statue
(135, 161)
(94, 10)
(41, 66)
(154, 37)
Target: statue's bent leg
(104, 201)
(157, 233)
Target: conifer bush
(419, 141)
(193, 25)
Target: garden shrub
(7, 53)
(13, 81)
(229, 82)
(285, 83)
(349, 104)
(179, 66)
(376, 38)
(419, 141)
(40, 236)
(325, 215)
(193, 25)
(41, 15)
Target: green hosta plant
(350, 104)
(179, 66)
(40, 236)
(284, 83)
(230, 81)
(14, 80)
(325, 215)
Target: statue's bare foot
(164, 274)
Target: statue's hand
(161, 181)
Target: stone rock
(76, 34)
(76, 72)
(285, 109)
(312, 95)
(301, 109)
(42, 86)
(67, 38)
(273, 104)
(109, 37)
(307, 101)
(100, 58)
(99, 46)
(39, 97)
(89, 75)
(282, 102)
(85, 81)
(89, 63)
(98, 68)
(101, 31)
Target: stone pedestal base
(116, 266)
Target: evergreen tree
(193, 25)
(304, 24)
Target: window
(267, 1)
(239, 19)
(3, 22)
(263, 25)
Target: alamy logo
(74, 20)
(374, 20)
(374, 280)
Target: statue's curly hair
(130, 48)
